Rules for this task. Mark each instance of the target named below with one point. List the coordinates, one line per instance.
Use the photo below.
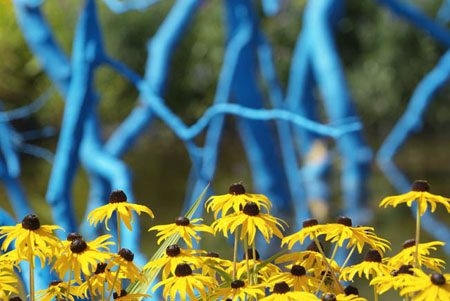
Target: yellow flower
(343, 230)
(184, 282)
(184, 227)
(126, 267)
(173, 256)
(406, 256)
(342, 297)
(297, 278)
(311, 229)
(7, 282)
(213, 259)
(124, 296)
(118, 202)
(236, 198)
(250, 219)
(420, 192)
(57, 290)
(238, 290)
(433, 287)
(101, 281)
(264, 274)
(81, 256)
(31, 233)
(396, 279)
(282, 292)
(372, 265)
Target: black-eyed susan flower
(251, 220)
(343, 230)
(183, 226)
(264, 273)
(124, 296)
(118, 202)
(282, 292)
(341, 297)
(31, 233)
(238, 290)
(57, 290)
(184, 282)
(297, 278)
(311, 229)
(406, 255)
(420, 191)
(7, 284)
(236, 198)
(395, 280)
(371, 266)
(100, 282)
(428, 287)
(213, 259)
(173, 256)
(82, 257)
(126, 267)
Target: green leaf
(139, 287)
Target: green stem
(118, 231)
(341, 289)
(90, 287)
(416, 258)
(326, 270)
(236, 236)
(348, 257)
(375, 294)
(31, 277)
(104, 290)
(255, 275)
(68, 285)
(113, 284)
(246, 259)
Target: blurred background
(384, 59)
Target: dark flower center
(298, 270)
(78, 246)
(212, 254)
(405, 269)
(122, 293)
(420, 185)
(250, 254)
(281, 288)
(173, 250)
(182, 270)
(345, 220)
(72, 236)
(117, 196)
(438, 279)
(310, 222)
(54, 283)
(182, 221)
(126, 254)
(237, 284)
(100, 268)
(372, 255)
(31, 222)
(394, 273)
(329, 297)
(409, 243)
(15, 299)
(351, 290)
(251, 209)
(313, 247)
(236, 189)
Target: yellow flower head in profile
(57, 290)
(433, 287)
(371, 266)
(397, 279)
(264, 273)
(421, 192)
(183, 226)
(117, 202)
(311, 229)
(213, 259)
(31, 233)
(184, 282)
(7, 284)
(124, 296)
(81, 256)
(250, 219)
(235, 199)
(173, 256)
(238, 290)
(126, 267)
(101, 280)
(297, 278)
(282, 292)
(406, 256)
(343, 230)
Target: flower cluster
(94, 272)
